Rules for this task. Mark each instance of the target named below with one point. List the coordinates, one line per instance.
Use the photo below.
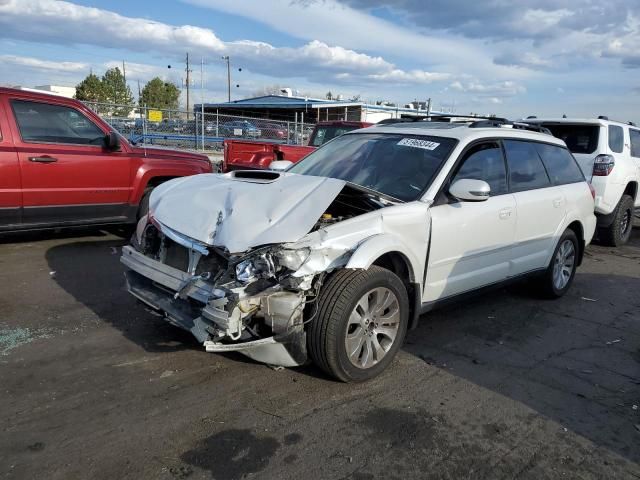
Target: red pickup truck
(246, 154)
(62, 165)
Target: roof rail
(603, 117)
(436, 117)
(632, 124)
(517, 125)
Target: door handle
(557, 202)
(505, 213)
(43, 159)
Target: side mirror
(112, 141)
(470, 190)
(280, 165)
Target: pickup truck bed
(253, 154)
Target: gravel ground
(502, 386)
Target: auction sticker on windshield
(417, 143)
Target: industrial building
(311, 110)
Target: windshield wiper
(374, 194)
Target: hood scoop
(243, 209)
(261, 176)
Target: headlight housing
(259, 266)
(292, 259)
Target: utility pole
(124, 73)
(202, 101)
(188, 82)
(226, 57)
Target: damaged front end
(256, 302)
(249, 303)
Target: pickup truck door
(472, 242)
(68, 177)
(10, 188)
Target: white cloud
(36, 63)
(492, 91)
(68, 23)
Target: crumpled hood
(241, 213)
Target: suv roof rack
(436, 117)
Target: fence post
(288, 132)
(301, 128)
(217, 118)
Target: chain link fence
(195, 130)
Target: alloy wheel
(372, 327)
(563, 264)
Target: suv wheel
(558, 277)
(360, 324)
(619, 231)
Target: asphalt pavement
(502, 386)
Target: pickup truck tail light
(603, 165)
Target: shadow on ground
(575, 360)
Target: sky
(505, 57)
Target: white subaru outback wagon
(335, 258)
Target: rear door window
(560, 164)
(634, 136)
(579, 138)
(616, 138)
(47, 123)
(526, 171)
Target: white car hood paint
(238, 213)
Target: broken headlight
(260, 266)
(292, 259)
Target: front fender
(374, 247)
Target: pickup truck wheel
(360, 324)
(559, 275)
(619, 231)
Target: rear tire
(619, 231)
(558, 277)
(360, 324)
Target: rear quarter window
(616, 138)
(634, 136)
(579, 138)
(560, 164)
(526, 171)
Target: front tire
(360, 324)
(619, 231)
(558, 277)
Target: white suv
(334, 259)
(608, 153)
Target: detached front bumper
(189, 302)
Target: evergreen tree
(159, 94)
(116, 91)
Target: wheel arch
(388, 252)
(631, 189)
(578, 229)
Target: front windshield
(401, 166)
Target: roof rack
(436, 117)
(497, 123)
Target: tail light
(593, 191)
(603, 165)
